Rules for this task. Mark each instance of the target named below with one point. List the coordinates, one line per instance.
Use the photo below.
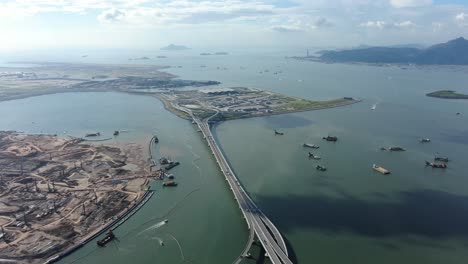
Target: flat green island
(447, 94)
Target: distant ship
(320, 168)
(380, 169)
(331, 138)
(443, 159)
(170, 184)
(109, 237)
(311, 146)
(436, 165)
(278, 133)
(97, 134)
(312, 156)
(396, 149)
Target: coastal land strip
(57, 193)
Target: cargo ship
(380, 169)
(311, 146)
(396, 149)
(109, 237)
(331, 138)
(170, 184)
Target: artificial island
(57, 193)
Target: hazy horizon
(145, 24)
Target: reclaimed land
(447, 94)
(55, 192)
(240, 102)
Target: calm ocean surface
(348, 214)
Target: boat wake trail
(170, 212)
(155, 226)
(194, 162)
(158, 239)
(180, 248)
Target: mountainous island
(453, 52)
(173, 47)
(448, 94)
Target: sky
(147, 24)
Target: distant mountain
(454, 52)
(175, 47)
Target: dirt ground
(56, 191)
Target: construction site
(57, 192)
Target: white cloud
(409, 3)
(461, 17)
(404, 24)
(374, 24)
(112, 15)
(385, 25)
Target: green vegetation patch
(307, 104)
(447, 94)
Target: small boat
(373, 107)
(97, 134)
(383, 148)
(170, 184)
(425, 140)
(312, 156)
(170, 176)
(396, 149)
(331, 138)
(380, 169)
(165, 221)
(311, 146)
(116, 133)
(436, 165)
(278, 133)
(161, 243)
(458, 113)
(320, 168)
(156, 139)
(109, 237)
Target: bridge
(258, 223)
